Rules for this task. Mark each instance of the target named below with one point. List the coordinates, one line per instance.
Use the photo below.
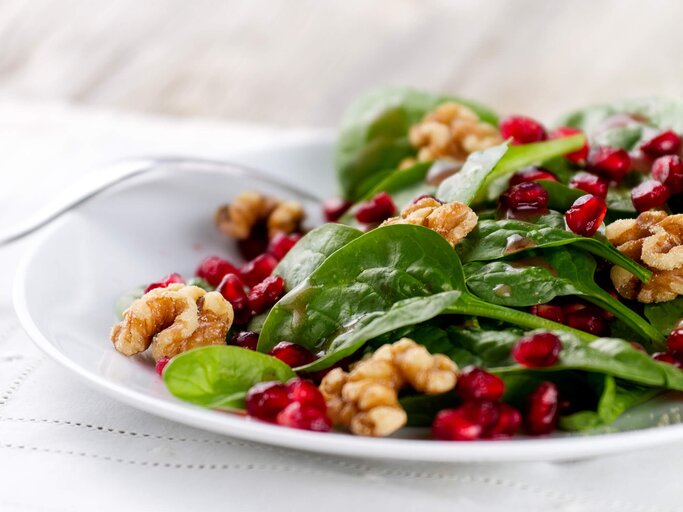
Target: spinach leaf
(560, 196)
(373, 138)
(311, 251)
(665, 315)
(539, 279)
(484, 167)
(219, 376)
(422, 409)
(391, 277)
(496, 239)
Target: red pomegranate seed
(674, 343)
(522, 130)
(579, 156)
(509, 421)
(455, 425)
(573, 307)
(213, 269)
(304, 417)
(669, 358)
(307, 393)
(649, 194)
(588, 320)
(255, 244)
(665, 143)
(281, 244)
(161, 364)
(232, 288)
(590, 183)
(265, 400)
(549, 312)
(292, 354)
(669, 170)
(478, 384)
(334, 208)
(266, 293)
(537, 350)
(612, 163)
(528, 197)
(169, 279)
(586, 214)
(482, 412)
(377, 209)
(246, 339)
(258, 269)
(542, 409)
(531, 174)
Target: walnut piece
(238, 218)
(453, 221)
(654, 240)
(451, 131)
(172, 320)
(365, 400)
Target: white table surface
(65, 447)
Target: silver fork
(97, 182)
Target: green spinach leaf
(665, 315)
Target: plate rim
(518, 450)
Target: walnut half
(365, 400)
(172, 320)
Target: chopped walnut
(453, 221)
(238, 218)
(654, 240)
(452, 131)
(172, 320)
(365, 400)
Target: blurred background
(299, 62)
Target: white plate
(161, 222)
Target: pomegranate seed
(674, 343)
(169, 279)
(669, 170)
(161, 364)
(334, 208)
(425, 196)
(588, 320)
(649, 194)
(586, 214)
(579, 156)
(549, 312)
(667, 357)
(665, 143)
(522, 130)
(455, 425)
(281, 244)
(304, 417)
(246, 339)
(213, 269)
(255, 244)
(573, 307)
(542, 409)
(482, 412)
(537, 350)
(266, 293)
(377, 209)
(265, 400)
(307, 393)
(258, 269)
(612, 163)
(590, 183)
(608, 315)
(232, 288)
(509, 421)
(292, 354)
(478, 384)
(532, 174)
(525, 196)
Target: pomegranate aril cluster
(674, 349)
(296, 404)
(578, 315)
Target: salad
(486, 277)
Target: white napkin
(65, 447)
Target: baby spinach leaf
(422, 409)
(552, 273)
(560, 196)
(373, 138)
(664, 315)
(312, 250)
(219, 376)
(496, 239)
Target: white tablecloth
(65, 447)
